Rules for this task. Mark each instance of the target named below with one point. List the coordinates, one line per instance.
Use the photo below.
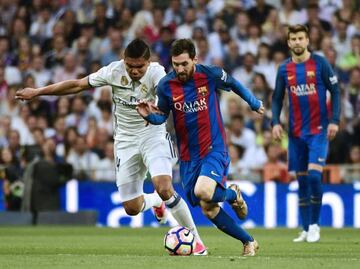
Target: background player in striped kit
(306, 77)
(191, 93)
(137, 147)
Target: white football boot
(301, 238)
(314, 233)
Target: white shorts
(153, 153)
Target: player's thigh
(131, 196)
(298, 154)
(130, 171)
(318, 149)
(215, 166)
(158, 147)
(189, 173)
(205, 188)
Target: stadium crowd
(43, 42)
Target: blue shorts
(214, 165)
(307, 149)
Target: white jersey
(126, 95)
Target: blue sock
(221, 194)
(304, 201)
(316, 195)
(226, 224)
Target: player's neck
(301, 58)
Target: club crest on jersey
(290, 77)
(202, 90)
(310, 74)
(124, 81)
(143, 89)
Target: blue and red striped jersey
(196, 111)
(306, 84)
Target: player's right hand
(261, 109)
(277, 132)
(26, 94)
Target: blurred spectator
(351, 58)
(55, 56)
(101, 22)
(85, 13)
(246, 72)
(241, 135)
(83, 160)
(313, 18)
(41, 28)
(232, 58)
(274, 168)
(151, 32)
(115, 48)
(355, 154)
(105, 169)
(43, 177)
(6, 56)
(290, 14)
(190, 21)
(13, 186)
(162, 47)
(259, 12)
(235, 153)
(9, 106)
(87, 32)
(352, 90)
(239, 31)
(174, 13)
(72, 27)
(79, 116)
(42, 76)
(70, 69)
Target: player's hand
(277, 132)
(144, 108)
(261, 109)
(26, 94)
(332, 131)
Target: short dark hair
(181, 46)
(137, 49)
(293, 29)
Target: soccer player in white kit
(138, 148)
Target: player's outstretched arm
(60, 88)
(151, 113)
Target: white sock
(150, 200)
(182, 214)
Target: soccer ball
(179, 241)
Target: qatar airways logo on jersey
(190, 107)
(303, 89)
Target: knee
(210, 212)
(131, 211)
(203, 193)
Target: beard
(183, 76)
(298, 51)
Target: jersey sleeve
(331, 83)
(162, 102)
(226, 82)
(277, 98)
(158, 74)
(101, 77)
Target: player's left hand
(332, 131)
(261, 109)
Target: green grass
(70, 247)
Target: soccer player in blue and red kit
(191, 93)
(306, 77)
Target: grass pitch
(80, 247)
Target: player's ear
(195, 60)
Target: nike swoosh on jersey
(177, 98)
